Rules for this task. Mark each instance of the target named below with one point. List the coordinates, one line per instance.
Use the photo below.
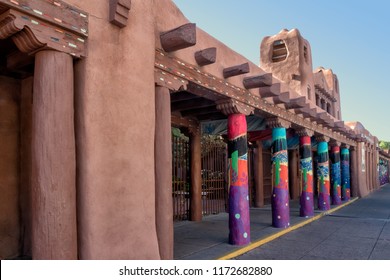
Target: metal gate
(180, 176)
(214, 183)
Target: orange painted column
(54, 231)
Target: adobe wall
(9, 168)
(115, 135)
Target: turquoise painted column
(280, 200)
(345, 175)
(323, 183)
(335, 174)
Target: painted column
(345, 176)
(280, 193)
(293, 166)
(239, 223)
(196, 175)
(163, 173)
(323, 175)
(306, 170)
(54, 232)
(335, 174)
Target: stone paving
(360, 230)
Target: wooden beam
(211, 116)
(258, 81)
(191, 104)
(18, 60)
(236, 70)
(119, 12)
(284, 97)
(184, 122)
(181, 96)
(179, 38)
(206, 56)
(199, 111)
(295, 103)
(270, 91)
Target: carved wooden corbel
(230, 106)
(334, 143)
(119, 12)
(322, 138)
(304, 132)
(277, 122)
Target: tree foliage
(384, 145)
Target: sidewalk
(208, 240)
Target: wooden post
(196, 176)
(54, 232)
(259, 181)
(354, 172)
(163, 173)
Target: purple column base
(346, 194)
(307, 204)
(239, 223)
(323, 201)
(280, 208)
(336, 197)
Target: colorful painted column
(239, 226)
(335, 175)
(280, 192)
(345, 177)
(306, 169)
(323, 175)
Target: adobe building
(90, 95)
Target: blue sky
(350, 37)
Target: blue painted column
(345, 174)
(335, 174)
(323, 183)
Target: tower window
(305, 54)
(279, 51)
(308, 92)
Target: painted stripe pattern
(323, 183)
(280, 193)
(306, 169)
(239, 223)
(335, 175)
(345, 176)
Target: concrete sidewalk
(208, 240)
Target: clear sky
(350, 37)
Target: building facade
(89, 92)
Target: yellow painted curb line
(263, 241)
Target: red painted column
(54, 231)
(239, 223)
(306, 169)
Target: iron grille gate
(214, 190)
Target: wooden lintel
(258, 81)
(211, 116)
(119, 12)
(179, 38)
(339, 124)
(18, 60)
(199, 111)
(236, 70)
(191, 104)
(184, 122)
(206, 56)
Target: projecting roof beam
(236, 70)
(258, 81)
(206, 56)
(179, 38)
